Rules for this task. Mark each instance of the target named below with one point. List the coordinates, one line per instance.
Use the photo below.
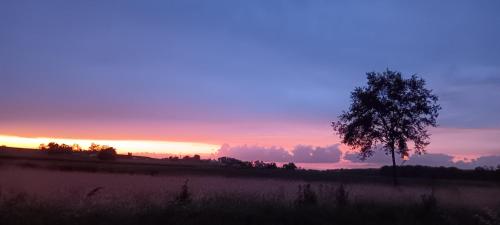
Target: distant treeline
(103, 152)
(479, 173)
(425, 172)
(235, 167)
(235, 163)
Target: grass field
(37, 196)
(36, 188)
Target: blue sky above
(220, 62)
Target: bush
(54, 148)
(263, 165)
(306, 196)
(289, 166)
(489, 217)
(184, 196)
(108, 153)
(341, 197)
(429, 202)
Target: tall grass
(21, 208)
(50, 197)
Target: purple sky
(255, 73)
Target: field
(40, 188)
(40, 196)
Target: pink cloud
(300, 154)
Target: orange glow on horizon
(122, 146)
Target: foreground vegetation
(42, 188)
(309, 207)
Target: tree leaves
(390, 111)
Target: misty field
(35, 196)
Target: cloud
(309, 154)
(332, 154)
(300, 154)
(489, 161)
(492, 160)
(429, 159)
(251, 153)
(379, 157)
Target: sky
(248, 77)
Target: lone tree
(389, 112)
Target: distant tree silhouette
(94, 147)
(55, 148)
(52, 145)
(263, 165)
(390, 111)
(232, 162)
(65, 147)
(173, 158)
(76, 147)
(107, 153)
(195, 158)
(289, 166)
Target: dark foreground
(234, 209)
(40, 189)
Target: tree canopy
(389, 112)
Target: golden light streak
(122, 146)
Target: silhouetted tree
(76, 147)
(55, 148)
(289, 166)
(232, 162)
(94, 147)
(65, 148)
(390, 111)
(52, 145)
(107, 153)
(173, 158)
(263, 165)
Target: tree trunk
(394, 173)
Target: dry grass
(72, 187)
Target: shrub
(489, 217)
(108, 153)
(429, 202)
(263, 165)
(54, 148)
(306, 196)
(341, 196)
(232, 162)
(289, 166)
(184, 197)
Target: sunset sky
(251, 79)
